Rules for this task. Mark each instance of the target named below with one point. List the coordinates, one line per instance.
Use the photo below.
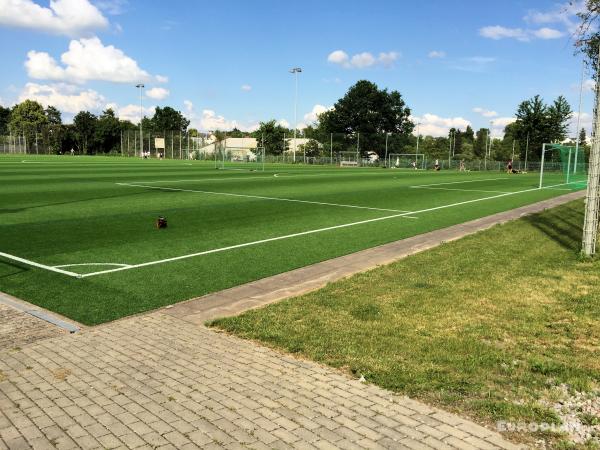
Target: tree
(372, 112)
(168, 119)
(559, 114)
(28, 118)
(582, 137)
(469, 135)
(53, 116)
(84, 124)
(4, 120)
(480, 144)
(108, 131)
(271, 135)
(539, 123)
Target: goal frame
(353, 159)
(413, 156)
(225, 155)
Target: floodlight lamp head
(140, 85)
(296, 70)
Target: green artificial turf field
(93, 218)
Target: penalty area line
(458, 182)
(260, 197)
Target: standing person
(461, 167)
(72, 151)
(437, 165)
(414, 165)
(509, 166)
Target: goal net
(563, 166)
(406, 160)
(239, 158)
(348, 159)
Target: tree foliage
(271, 135)
(538, 123)
(370, 112)
(84, 125)
(168, 119)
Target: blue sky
(226, 63)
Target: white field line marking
(459, 182)
(200, 180)
(303, 233)
(90, 264)
(260, 197)
(41, 266)
(456, 189)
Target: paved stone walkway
(156, 381)
(18, 328)
(300, 281)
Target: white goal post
(348, 159)
(405, 160)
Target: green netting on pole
(566, 164)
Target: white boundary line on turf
(459, 182)
(38, 265)
(303, 233)
(456, 189)
(90, 264)
(260, 197)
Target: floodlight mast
(295, 71)
(579, 116)
(141, 86)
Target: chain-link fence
(310, 148)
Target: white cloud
(86, 60)
(338, 57)
(246, 88)
(131, 112)
(548, 33)
(362, 60)
(586, 121)
(41, 65)
(157, 93)
(112, 7)
(209, 120)
(497, 125)
(565, 14)
(436, 54)
(162, 79)
(313, 115)
(485, 112)
(589, 85)
(65, 97)
(497, 32)
(433, 125)
(387, 59)
(68, 17)
(473, 63)
(283, 123)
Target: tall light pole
(295, 71)
(140, 86)
(418, 123)
(579, 116)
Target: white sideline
(41, 266)
(457, 189)
(260, 197)
(459, 182)
(304, 233)
(262, 241)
